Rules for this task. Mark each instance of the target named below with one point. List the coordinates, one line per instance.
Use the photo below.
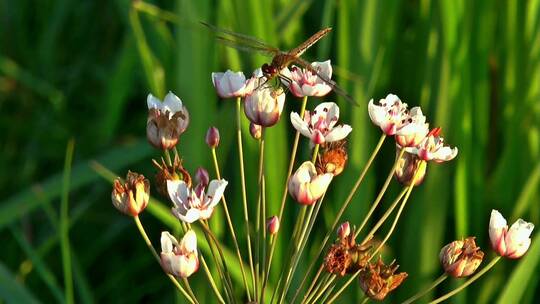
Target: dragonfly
(280, 59)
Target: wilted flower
(378, 279)
(306, 82)
(263, 107)
(131, 197)
(414, 130)
(232, 84)
(179, 259)
(512, 243)
(202, 176)
(461, 258)
(345, 256)
(333, 158)
(306, 186)
(272, 224)
(390, 114)
(255, 130)
(407, 166)
(166, 173)
(212, 137)
(191, 205)
(166, 121)
(432, 148)
(320, 126)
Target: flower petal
(338, 133)
(300, 125)
(216, 188)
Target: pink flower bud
(306, 186)
(344, 230)
(255, 130)
(272, 225)
(461, 258)
(512, 243)
(264, 106)
(212, 137)
(202, 176)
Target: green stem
(243, 182)
(260, 210)
(340, 213)
(231, 227)
(468, 282)
(156, 256)
(64, 225)
(420, 294)
(385, 216)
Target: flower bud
(512, 243)
(131, 197)
(344, 230)
(461, 258)
(170, 173)
(264, 106)
(378, 280)
(409, 165)
(202, 177)
(306, 186)
(255, 130)
(212, 137)
(333, 158)
(272, 225)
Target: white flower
(191, 205)
(306, 186)
(166, 121)
(414, 130)
(512, 243)
(320, 126)
(304, 82)
(179, 259)
(232, 84)
(432, 148)
(264, 106)
(390, 114)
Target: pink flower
(304, 82)
(306, 186)
(320, 125)
(179, 259)
(264, 106)
(166, 121)
(414, 130)
(432, 148)
(231, 84)
(390, 114)
(511, 243)
(191, 205)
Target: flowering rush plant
(349, 253)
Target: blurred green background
(81, 70)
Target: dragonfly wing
(337, 89)
(246, 47)
(238, 37)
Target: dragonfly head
(268, 70)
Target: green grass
(82, 70)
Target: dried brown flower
(461, 258)
(345, 256)
(131, 197)
(166, 172)
(378, 279)
(333, 158)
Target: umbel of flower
(131, 197)
(432, 148)
(408, 166)
(390, 114)
(320, 125)
(306, 82)
(263, 107)
(378, 279)
(306, 186)
(414, 130)
(232, 84)
(166, 121)
(461, 258)
(190, 204)
(179, 259)
(166, 173)
(512, 243)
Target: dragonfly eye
(265, 68)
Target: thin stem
(381, 194)
(211, 280)
(468, 282)
(156, 256)
(315, 286)
(314, 281)
(168, 157)
(385, 216)
(264, 255)
(330, 280)
(260, 208)
(340, 212)
(315, 153)
(231, 227)
(420, 294)
(366, 299)
(243, 182)
(65, 246)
